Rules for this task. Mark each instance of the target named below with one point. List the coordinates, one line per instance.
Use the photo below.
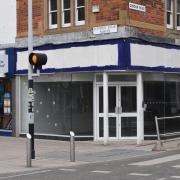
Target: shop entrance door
(122, 112)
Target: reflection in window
(162, 99)
(101, 127)
(112, 127)
(68, 106)
(128, 99)
(128, 127)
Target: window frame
(170, 26)
(62, 15)
(52, 26)
(79, 23)
(177, 14)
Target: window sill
(169, 26)
(68, 29)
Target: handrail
(159, 144)
(172, 117)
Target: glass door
(128, 113)
(112, 115)
(122, 112)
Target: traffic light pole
(30, 80)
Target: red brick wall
(22, 17)
(155, 13)
(152, 19)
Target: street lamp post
(30, 80)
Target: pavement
(55, 154)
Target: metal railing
(159, 145)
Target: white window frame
(51, 26)
(62, 15)
(177, 13)
(78, 23)
(170, 26)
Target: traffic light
(37, 60)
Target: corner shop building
(142, 80)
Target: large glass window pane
(128, 99)
(100, 99)
(101, 127)
(112, 99)
(63, 106)
(52, 108)
(162, 99)
(128, 126)
(172, 106)
(169, 12)
(81, 14)
(67, 17)
(178, 20)
(53, 5)
(54, 18)
(122, 78)
(154, 93)
(52, 13)
(168, 18)
(66, 4)
(82, 108)
(80, 2)
(169, 5)
(112, 127)
(66, 13)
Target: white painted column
(140, 111)
(105, 106)
(94, 109)
(18, 105)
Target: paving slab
(53, 153)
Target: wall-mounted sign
(105, 29)
(137, 7)
(3, 64)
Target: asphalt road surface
(163, 166)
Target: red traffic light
(37, 60)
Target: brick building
(113, 65)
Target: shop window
(161, 99)
(69, 12)
(169, 11)
(5, 106)
(64, 106)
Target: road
(163, 166)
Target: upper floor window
(66, 13)
(178, 14)
(52, 14)
(169, 11)
(80, 12)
